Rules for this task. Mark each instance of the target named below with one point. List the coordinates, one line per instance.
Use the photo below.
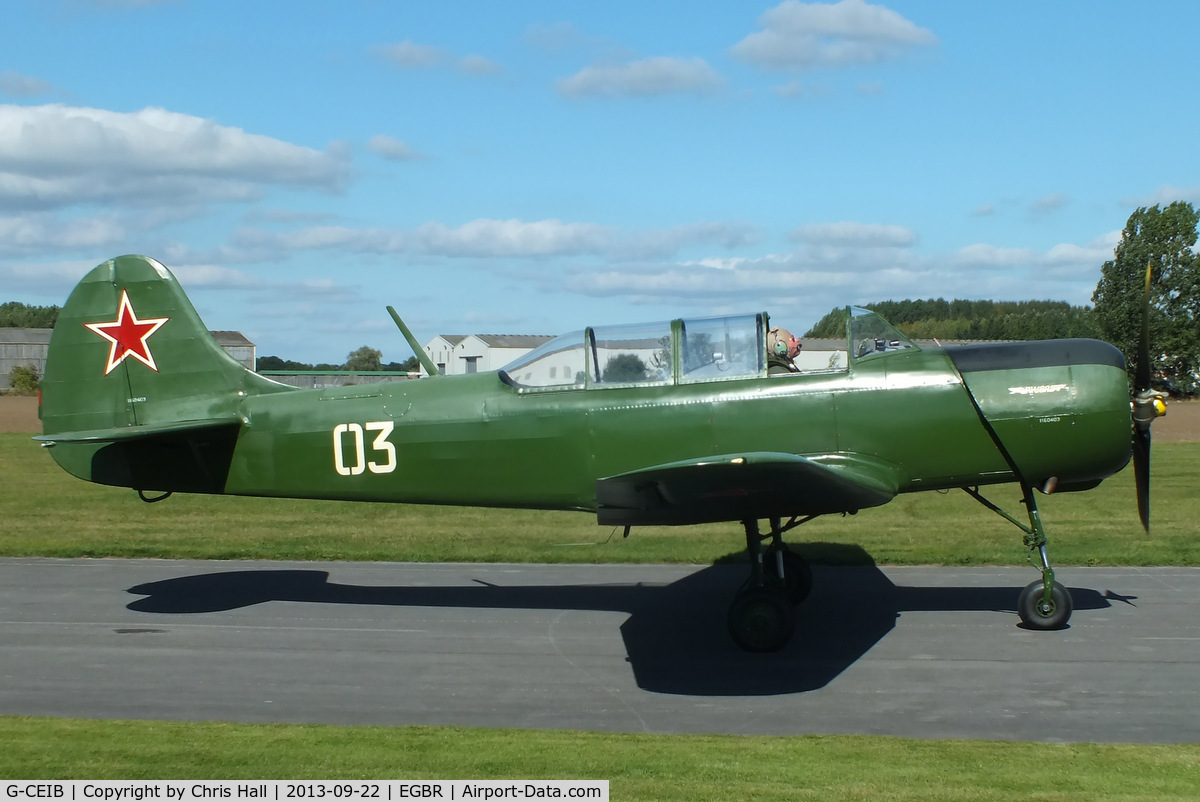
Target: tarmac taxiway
(912, 651)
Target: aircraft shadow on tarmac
(675, 635)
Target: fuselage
(1028, 411)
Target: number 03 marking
(358, 462)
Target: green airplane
(669, 423)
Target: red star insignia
(128, 335)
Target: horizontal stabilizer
(124, 433)
(184, 456)
(737, 487)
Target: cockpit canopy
(870, 335)
(688, 350)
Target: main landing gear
(762, 615)
(1044, 604)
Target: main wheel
(797, 577)
(761, 620)
(1037, 614)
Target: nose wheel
(1039, 612)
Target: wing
(745, 486)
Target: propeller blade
(1141, 380)
(1147, 405)
(1141, 472)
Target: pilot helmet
(777, 341)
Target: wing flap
(744, 486)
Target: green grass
(49, 513)
(639, 767)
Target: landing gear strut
(1044, 604)
(762, 615)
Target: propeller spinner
(1148, 404)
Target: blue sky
(534, 167)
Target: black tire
(1036, 615)
(797, 578)
(761, 620)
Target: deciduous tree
(25, 316)
(364, 358)
(1162, 239)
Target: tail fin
(133, 376)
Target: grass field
(639, 767)
(48, 513)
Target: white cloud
(478, 65)
(39, 232)
(806, 283)
(16, 85)
(481, 238)
(664, 243)
(807, 35)
(487, 238)
(58, 156)
(863, 235)
(554, 37)
(1069, 260)
(1164, 196)
(50, 279)
(1047, 204)
(288, 216)
(118, 4)
(993, 257)
(801, 91)
(409, 55)
(659, 75)
(262, 244)
(744, 284)
(1065, 261)
(215, 277)
(392, 149)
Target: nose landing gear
(1045, 604)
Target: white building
(458, 354)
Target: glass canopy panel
(557, 363)
(871, 335)
(633, 354)
(722, 348)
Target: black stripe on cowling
(1034, 354)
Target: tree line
(364, 359)
(16, 315)
(973, 320)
